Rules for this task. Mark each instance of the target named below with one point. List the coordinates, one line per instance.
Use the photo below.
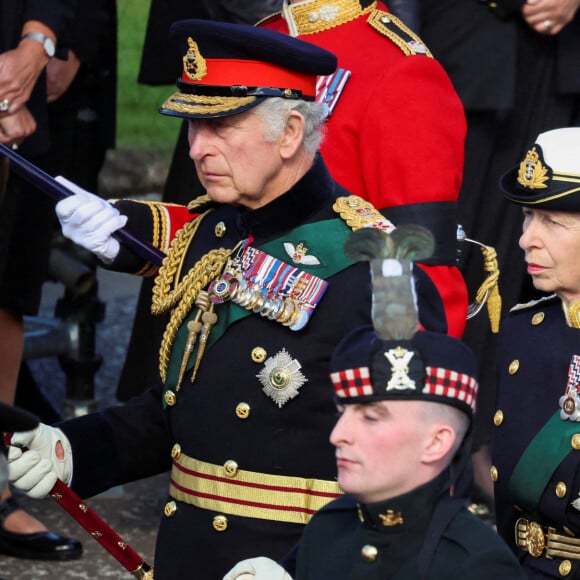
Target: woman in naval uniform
(536, 437)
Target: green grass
(139, 124)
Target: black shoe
(36, 546)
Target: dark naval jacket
(399, 539)
(536, 439)
(239, 442)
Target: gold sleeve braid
(182, 297)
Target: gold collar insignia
(391, 518)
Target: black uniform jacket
(226, 416)
(348, 540)
(537, 360)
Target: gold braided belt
(543, 541)
(229, 490)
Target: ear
(291, 137)
(439, 443)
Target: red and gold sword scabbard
(98, 528)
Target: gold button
(561, 489)
(494, 473)
(259, 354)
(498, 418)
(176, 451)
(243, 410)
(493, 5)
(169, 398)
(538, 318)
(170, 508)
(231, 468)
(514, 367)
(369, 553)
(220, 523)
(565, 567)
(575, 442)
(220, 230)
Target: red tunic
(396, 135)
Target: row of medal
(269, 287)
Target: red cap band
(251, 73)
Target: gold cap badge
(533, 173)
(194, 65)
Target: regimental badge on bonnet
(393, 359)
(230, 68)
(548, 177)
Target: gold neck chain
(311, 16)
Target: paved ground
(133, 510)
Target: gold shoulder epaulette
(394, 29)
(359, 213)
(533, 303)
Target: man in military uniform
(535, 433)
(396, 132)
(405, 401)
(258, 294)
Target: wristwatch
(46, 42)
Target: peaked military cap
(430, 366)
(229, 68)
(549, 175)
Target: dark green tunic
(338, 542)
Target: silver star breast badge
(281, 377)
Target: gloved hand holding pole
(47, 464)
(58, 191)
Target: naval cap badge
(281, 377)
(532, 173)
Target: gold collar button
(220, 230)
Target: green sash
(326, 238)
(540, 459)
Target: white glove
(36, 470)
(260, 568)
(89, 220)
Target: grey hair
(274, 112)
